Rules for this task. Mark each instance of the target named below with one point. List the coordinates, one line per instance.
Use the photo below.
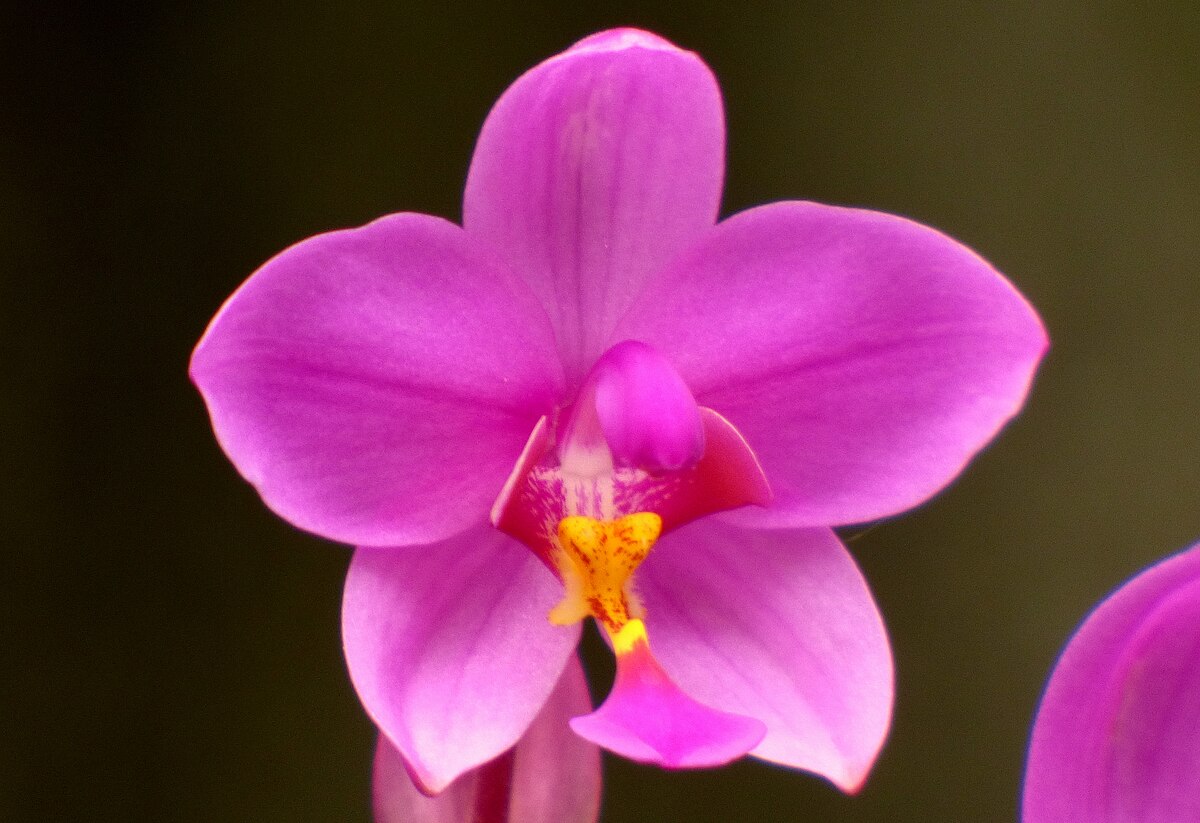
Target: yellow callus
(631, 635)
(597, 559)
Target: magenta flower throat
(592, 400)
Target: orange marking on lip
(597, 559)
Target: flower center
(632, 443)
(598, 482)
(596, 560)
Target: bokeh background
(171, 649)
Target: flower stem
(492, 790)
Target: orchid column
(592, 400)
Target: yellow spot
(597, 561)
(630, 635)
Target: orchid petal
(778, 625)
(374, 384)
(552, 776)
(864, 357)
(449, 647)
(1117, 735)
(591, 171)
(647, 718)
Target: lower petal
(449, 647)
(551, 776)
(778, 625)
(647, 718)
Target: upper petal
(864, 357)
(592, 170)
(552, 776)
(376, 384)
(449, 647)
(1117, 735)
(777, 625)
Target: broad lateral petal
(592, 170)
(552, 776)
(777, 625)
(1117, 735)
(375, 383)
(865, 358)
(449, 647)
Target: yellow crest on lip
(597, 560)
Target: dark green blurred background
(172, 649)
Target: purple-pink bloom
(1117, 735)
(509, 417)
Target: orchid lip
(646, 716)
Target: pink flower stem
(493, 789)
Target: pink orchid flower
(507, 418)
(1117, 735)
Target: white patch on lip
(590, 496)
